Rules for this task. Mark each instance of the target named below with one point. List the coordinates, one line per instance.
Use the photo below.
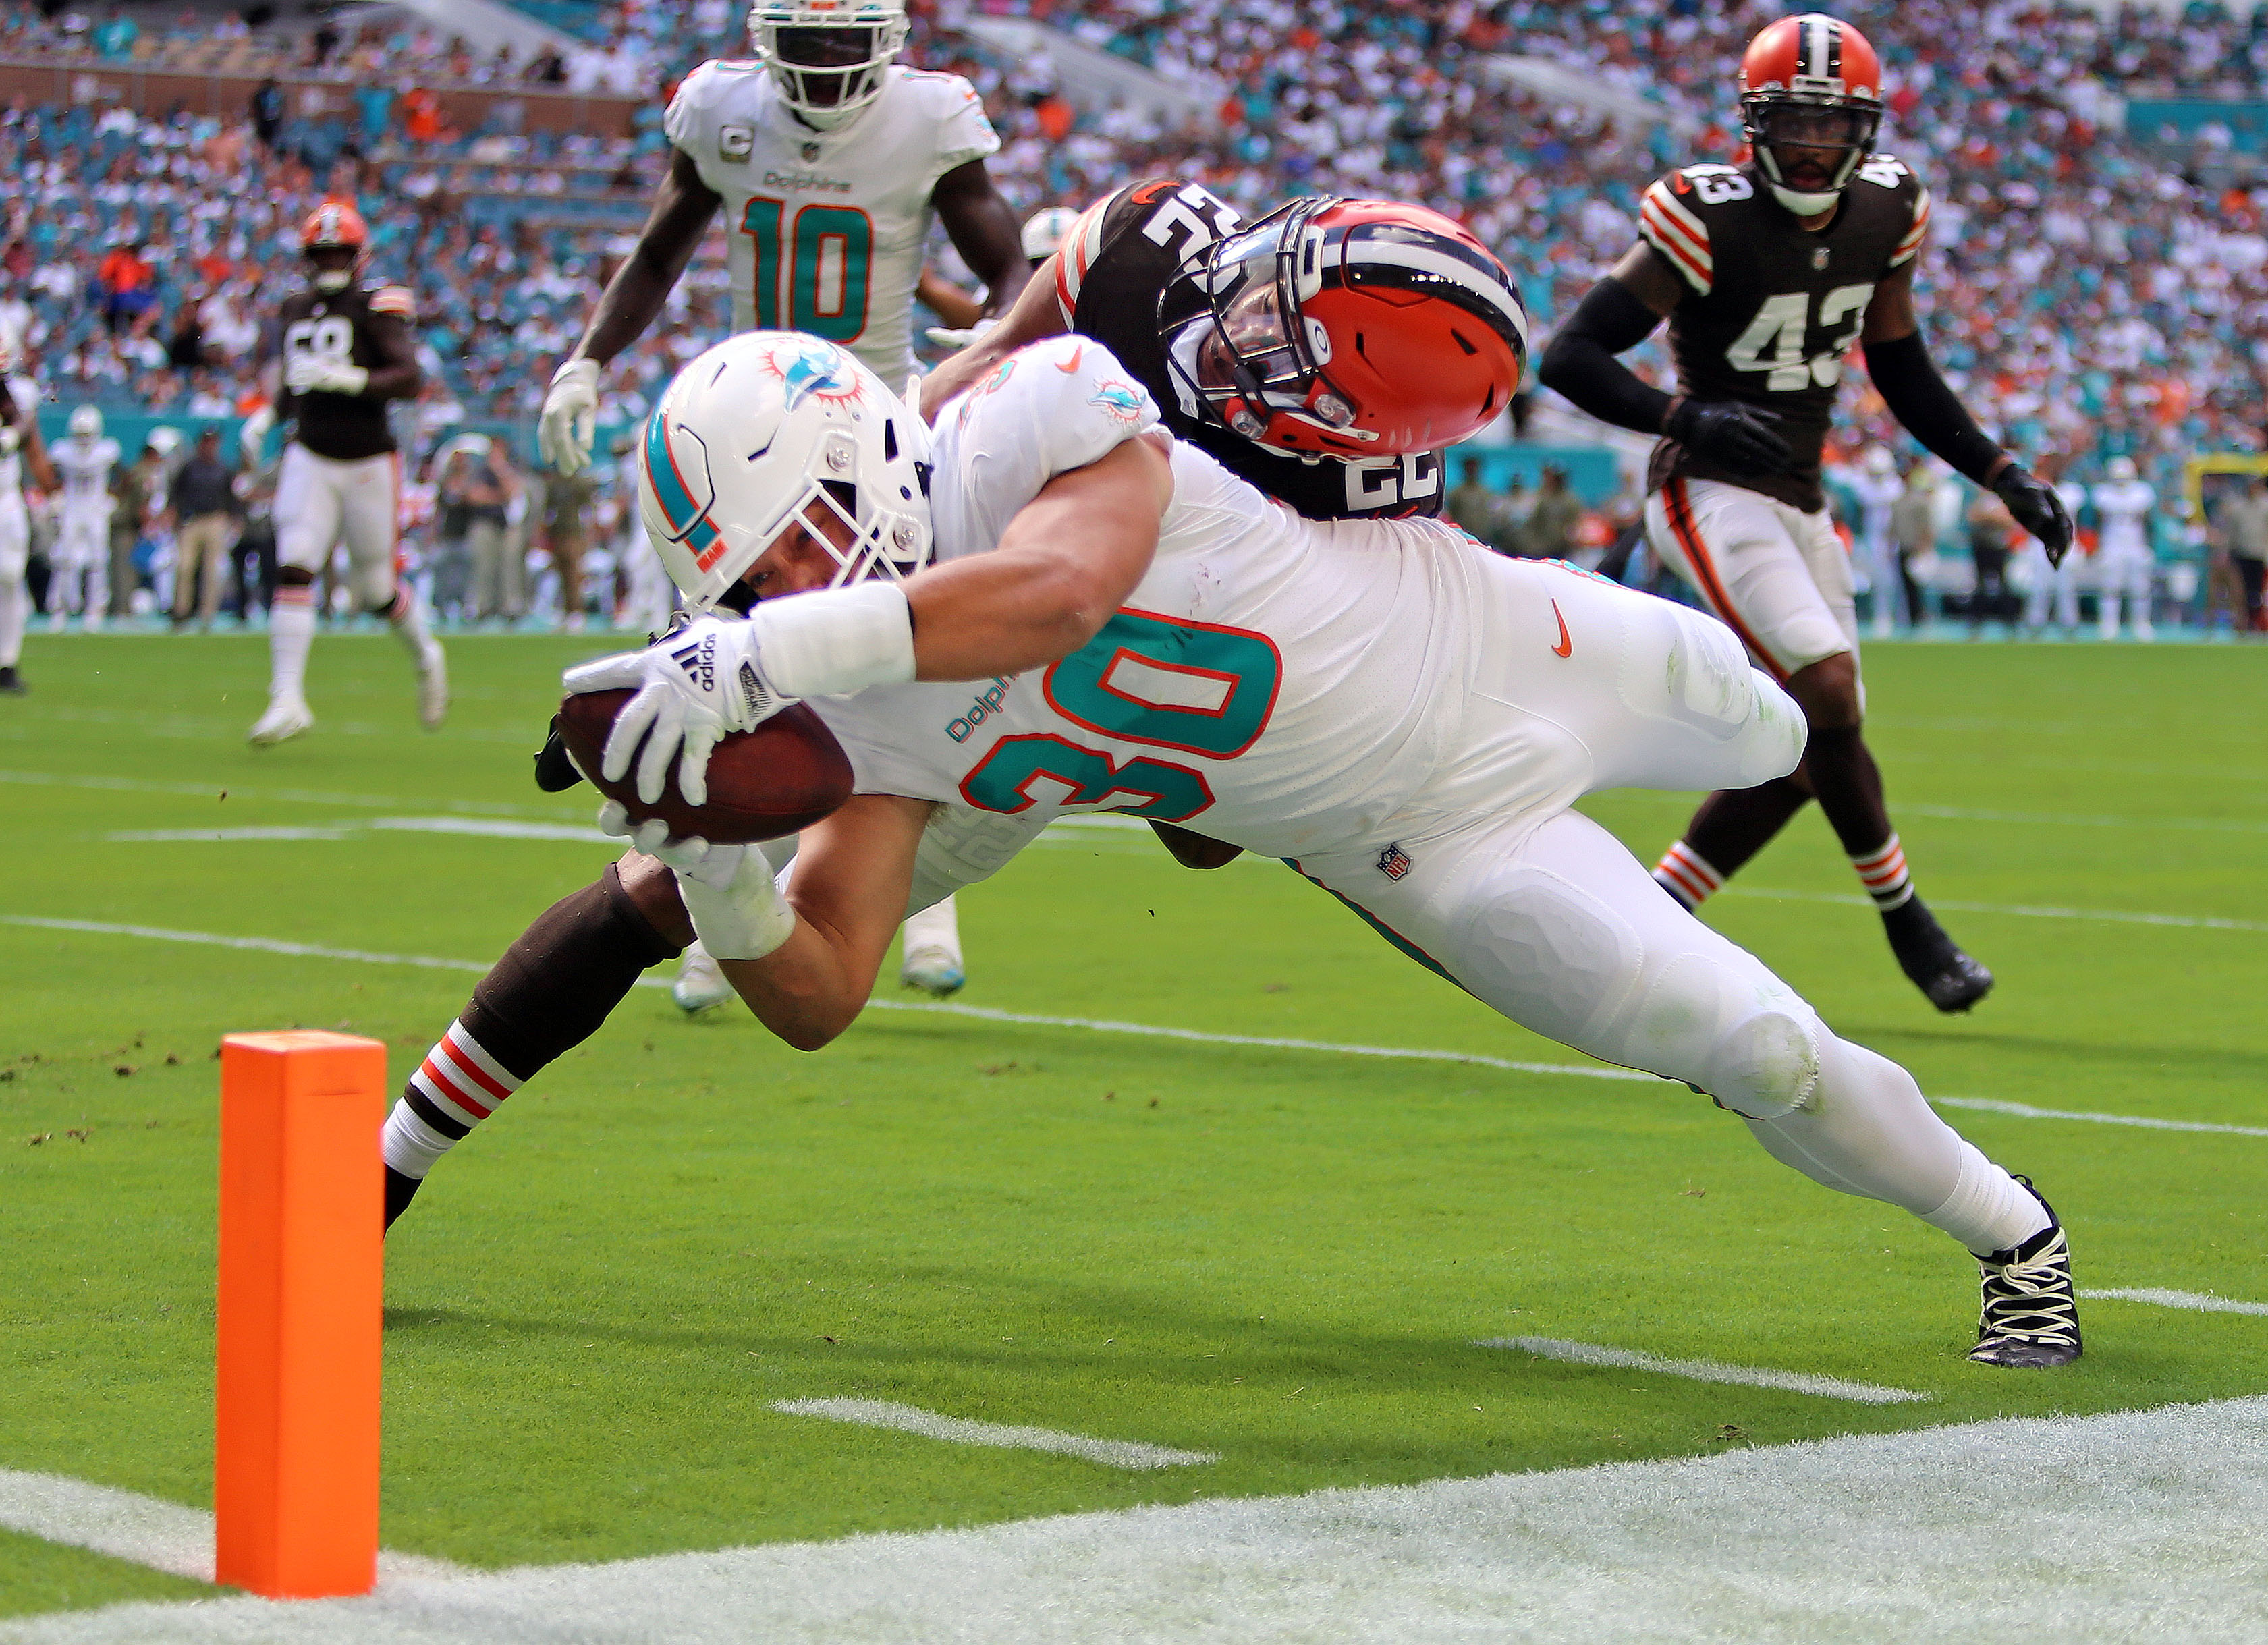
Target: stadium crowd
(2088, 301)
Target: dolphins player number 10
(830, 259)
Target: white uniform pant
(322, 502)
(15, 598)
(2047, 586)
(1777, 576)
(81, 558)
(2123, 571)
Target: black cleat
(2031, 1314)
(400, 1190)
(10, 686)
(1932, 960)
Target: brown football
(763, 784)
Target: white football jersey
(1877, 495)
(84, 467)
(25, 394)
(2121, 507)
(1284, 684)
(825, 229)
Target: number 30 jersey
(1771, 323)
(1284, 684)
(824, 230)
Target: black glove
(2037, 509)
(1728, 435)
(555, 772)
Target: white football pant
(322, 502)
(1777, 576)
(15, 598)
(2125, 570)
(2047, 586)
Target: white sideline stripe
(477, 827)
(1115, 1453)
(2095, 1531)
(1149, 1031)
(2204, 1301)
(2025, 1111)
(143, 1530)
(296, 796)
(2118, 917)
(1706, 1370)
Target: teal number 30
(1144, 679)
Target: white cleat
(433, 690)
(284, 720)
(933, 968)
(700, 986)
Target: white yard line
(1097, 1024)
(1706, 1370)
(1115, 1453)
(294, 796)
(143, 1530)
(2115, 916)
(2203, 1302)
(2092, 1531)
(2025, 1111)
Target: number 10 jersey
(1769, 309)
(824, 230)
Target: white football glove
(253, 435)
(320, 373)
(570, 416)
(946, 337)
(694, 687)
(728, 890)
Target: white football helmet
(1880, 461)
(763, 427)
(164, 439)
(86, 422)
(1045, 230)
(2123, 471)
(827, 56)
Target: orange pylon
(302, 1253)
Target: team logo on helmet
(1120, 399)
(811, 369)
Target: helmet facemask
(827, 61)
(1262, 371)
(1832, 135)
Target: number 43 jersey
(1769, 310)
(1292, 685)
(823, 230)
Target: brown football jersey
(1769, 310)
(345, 326)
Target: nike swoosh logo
(1566, 647)
(1070, 366)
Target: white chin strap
(333, 279)
(1806, 205)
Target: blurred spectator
(268, 113)
(1476, 510)
(1913, 535)
(2244, 530)
(252, 561)
(122, 285)
(187, 350)
(1990, 526)
(1549, 531)
(477, 489)
(566, 535)
(133, 488)
(204, 501)
(114, 36)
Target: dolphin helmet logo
(811, 369)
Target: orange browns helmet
(332, 223)
(1357, 328)
(1810, 82)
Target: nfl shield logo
(1394, 861)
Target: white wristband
(837, 640)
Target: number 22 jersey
(1769, 309)
(823, 230)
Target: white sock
(937, 926)
(290, 635)
(15, 612)
(407, 617)
(457, 1086)
(1869, 1132)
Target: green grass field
(1283, 1256)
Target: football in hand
(763, 784)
